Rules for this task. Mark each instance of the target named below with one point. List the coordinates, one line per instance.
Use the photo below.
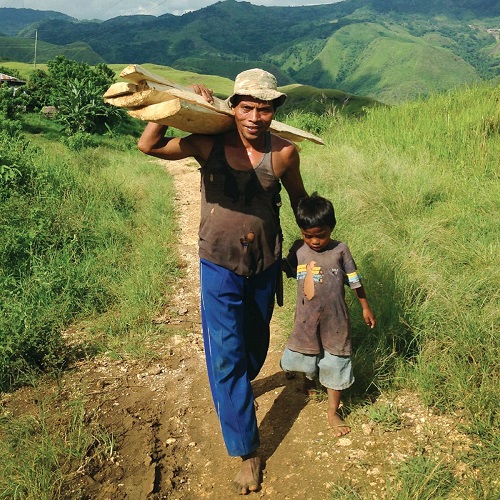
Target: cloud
(97, 9)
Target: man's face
(253, 117)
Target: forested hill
(14, 20)
(391, 50)
(458, 8)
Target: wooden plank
(121, 88)
(136, 74)
(294, 134)
(139, 99)
(186, 116)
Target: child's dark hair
(315, 211)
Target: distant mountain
(24, 50)
(480, 8)
(391, 50)
(14, 20)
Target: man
(240, 248)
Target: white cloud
(97, 9)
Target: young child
(320, 343)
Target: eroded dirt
(167, 438)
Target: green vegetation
(84, 244)
(41, 450)
(389, 51)
(76, 90)
(421, 477)
(353, 57)
(417, 198)
(79, 238)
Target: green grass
(87, 249)
(42, 449)
(84, 235)
(417, 198)
(423, 478)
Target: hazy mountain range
(390, 50)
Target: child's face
(316, 238)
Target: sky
(99, 9)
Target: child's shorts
(335, 372)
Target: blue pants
(235, 313)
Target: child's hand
(288, 269)
(369, 317)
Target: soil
(167, 440)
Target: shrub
(76, 90)
(79, 141)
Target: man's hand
(205, 92)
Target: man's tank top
(240, 226)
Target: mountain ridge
(344, 45)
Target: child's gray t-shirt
(322, 320)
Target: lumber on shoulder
(177, 106)
(186, 116)
(139, 99)
(137, 74)
(293, 134)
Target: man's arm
(154, 143)
(291, 177)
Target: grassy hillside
(23, 50)
(417, 199)
(79, 241)
(380, 60)
(386, 50)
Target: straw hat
(258, 84)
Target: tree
(76, 90)
(38, 88)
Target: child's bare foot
(309, 386)
(337, 423)
(248, 479)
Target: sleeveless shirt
(240, 225)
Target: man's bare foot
(249, 477)
(337, 423)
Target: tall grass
(42, 449)
(417, 198)
(84, 234)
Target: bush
(12, 102)
(81, 235)
(16, 154)
(79, 141)
(76, 90)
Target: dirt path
(167, 438)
